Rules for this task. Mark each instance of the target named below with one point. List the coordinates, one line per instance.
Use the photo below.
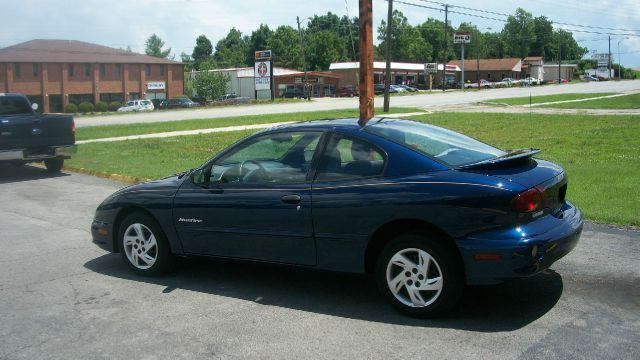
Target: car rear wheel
(418, 276)
(144, 246)
(54, 165)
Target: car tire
(54, 165)
(144, 246)
(419, 276)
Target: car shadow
(10, 173)
(505, 307)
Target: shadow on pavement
(10, 173)
(505, 307)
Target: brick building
(54, 73)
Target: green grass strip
(107, 131)
(621, 102)
(544, 99)
(601, 154)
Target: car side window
(277, 158)
(345, 158)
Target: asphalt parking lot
(61, 297)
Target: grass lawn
(98, 132)
(543, 99)
(621, 102)
(600, 153)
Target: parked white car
(510, 82)
(137, 105)
(530, 81)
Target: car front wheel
(419, 276)
(54, 165)
(144, 246)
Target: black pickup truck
(26, 136)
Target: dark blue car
(424, 209)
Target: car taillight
(527, 201)
(73, 128)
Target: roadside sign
(603, 59)
(431, 67)
(462, 38)
(262, 75)
(263, 55)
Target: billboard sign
(262, 75)
(263, 55)
(462, 38)
(603, 59)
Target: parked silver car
(137, 105)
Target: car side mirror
(199, 177)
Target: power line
(505, 20)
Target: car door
(256, 204)
(349, 195)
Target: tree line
(331, 38)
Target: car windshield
(448, 147)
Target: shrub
(101, 106)
(85, 107)
(71, 108)
(114, 105)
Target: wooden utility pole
(366, 61)
(387, 77)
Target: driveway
(426, 100)
(61, 297)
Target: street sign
(431, 68)
(462, 38)
(263, 55)
(262, 75)
(603, 59)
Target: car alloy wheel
(414, 277)
(140, 246)
(420, 275)
(144, 246)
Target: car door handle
(291, 199)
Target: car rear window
(446, 146)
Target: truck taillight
(527, 201)
(73, 128)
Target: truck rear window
(10, 105)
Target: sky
(119, 23)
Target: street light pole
(304, 62)
(620, 59)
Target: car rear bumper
(491, 257)
(47, 153)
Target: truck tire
(54, 165)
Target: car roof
(323, 125)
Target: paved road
(420, 101)
(63, 298)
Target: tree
(432, 31)
(323, 48)
(258, 40)
(519, 34)
(285, 45)
(210, 84)
(231, 51)
(543, 31)
(202, 51)
(154, 45)
(407, 44)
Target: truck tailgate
(34, 131)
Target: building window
(161, 70)
(488, 76)
(16, 70)
(70, 70)
(118, 71)
(147, 70)
(87, 70)
(103, 70)
(36, 70)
